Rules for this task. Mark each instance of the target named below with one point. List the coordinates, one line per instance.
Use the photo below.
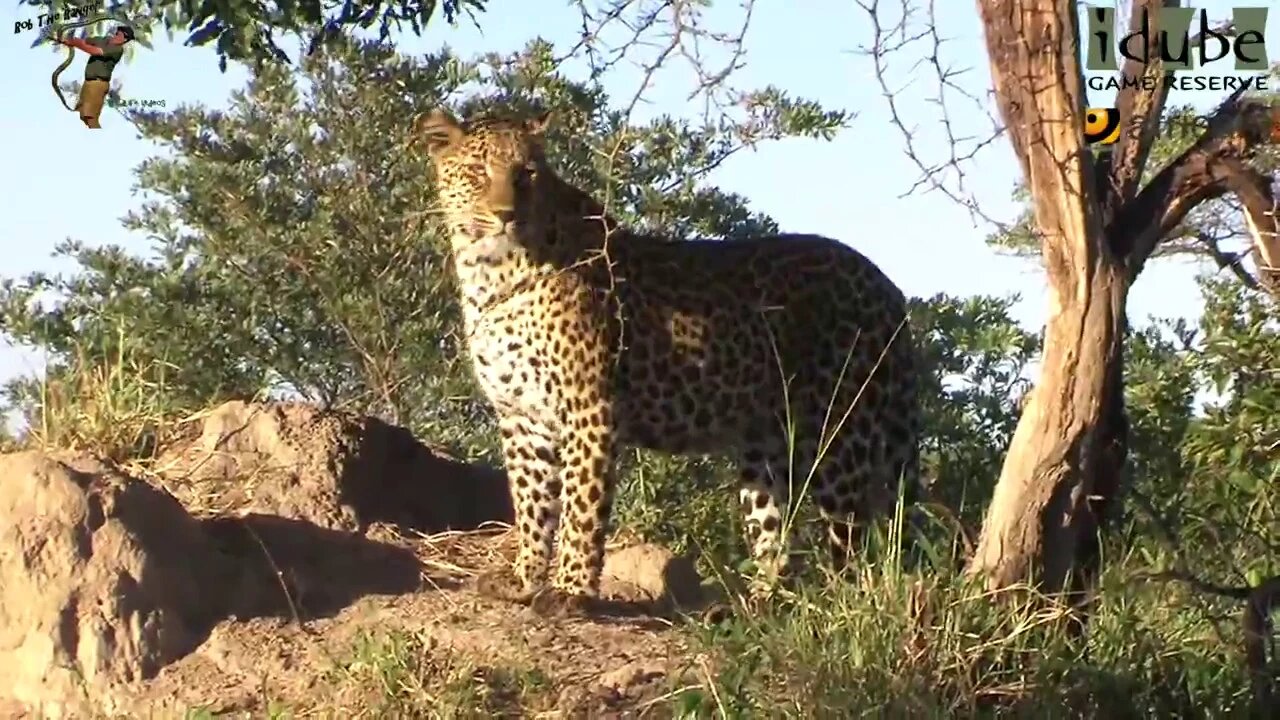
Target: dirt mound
(103, 580)
(115, 598)
(443, 636)
(333, 469)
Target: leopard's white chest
(500, 327)
(511, 373)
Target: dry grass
(413, 676)
(117, 409)
(941, 648)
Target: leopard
(790, 354)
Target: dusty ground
(596, 668)
(244, 570)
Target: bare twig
(668, 29)
(892, 38)
(280, 578)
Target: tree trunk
(1066, 457)
(1041, 524)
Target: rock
(336, 470)
(633, 674)
(651, 573)
(611, 691)
(103, 580)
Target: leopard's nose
(506, 216)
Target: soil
(243, 569)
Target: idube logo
(1184, 39)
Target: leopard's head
(487, 173)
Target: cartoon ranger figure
(104, 55)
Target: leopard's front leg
(533, 473)
(586, 407)
(586, 499)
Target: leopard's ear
(537, 125)
(436, 129)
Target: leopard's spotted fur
(583, 345)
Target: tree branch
(625, 30)
(1227, 260)
(1262, 217)
(1199, 174)
(1140, 111)
(899, 37)
(1260, 601)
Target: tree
(1211, 501)
(296, 249)
(248, 30)
(1096, 218)
(1097, 224)
(251, 31)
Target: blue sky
(849, 188)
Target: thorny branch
(651, 36)
(668, 29)
(1142, 215)
(894, 38)
(616, 30)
